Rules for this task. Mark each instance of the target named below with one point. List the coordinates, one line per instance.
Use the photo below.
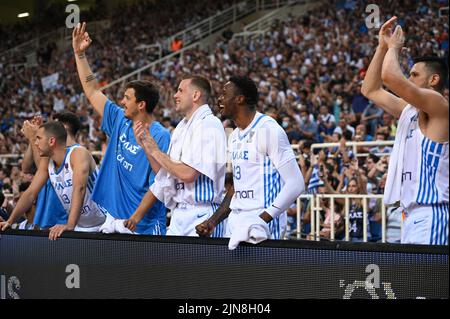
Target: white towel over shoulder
(395, 170)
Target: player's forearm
(224, 209)
(179, 170)
(23, 205)
(153, 163)
(78, 194)
(291, 190)
(29, 160)
(372, 80)
(146, 204)
(87, 77)
(391, 71)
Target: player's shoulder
(80, 152)
(157, 129)
(111, 103)
(207, 119)
(268, 122)
(114, 108)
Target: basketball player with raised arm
(419, 168)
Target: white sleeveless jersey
(201, 144)
(256, 153)
(425, 169)
(62, 182)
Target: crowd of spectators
(309, 70)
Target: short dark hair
(438, 66)
(145, 91)
(247, 88)
(202, 83)
(57, 130)
(71, 121)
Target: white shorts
(94, 229)
(277, 226)
(426, 225)
(185, 217)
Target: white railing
(263, 24)
(20, 50)
(353, 145)
(224, 18)
(192, 35)
(315, 208)
(212, 24)
(56, 35)
(148, 47)
(138, 72)
(4, 158)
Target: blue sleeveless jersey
(125, 172)
(49, 210)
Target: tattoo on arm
(81, 56)
(90, 78)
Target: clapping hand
(386, 32)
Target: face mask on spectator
(304, 118)
(338, 102)
(285, 124)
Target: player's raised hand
(386, 32)
(37, 120)
(139, 133)
(80, 38)
(29, 130)
(143, 138)
(397, 39)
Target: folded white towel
(108, 225)
(251, 229)
(395, 170)
(119, 227)
(112, 225)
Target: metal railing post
(365, 219)
(318, 209)
(383, 222)
(312, 205)
(332, 219)
(299, 212)
(347, 219)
